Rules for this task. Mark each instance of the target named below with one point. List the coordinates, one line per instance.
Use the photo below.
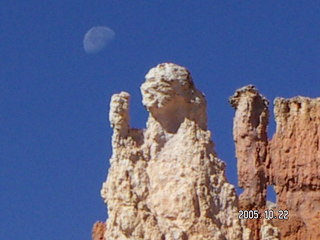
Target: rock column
(251, 141)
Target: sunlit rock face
(294, 165)
(165, 181)
(290, 161)
(250, 136)
(170, 96)
(251, 141)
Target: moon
(97, 38)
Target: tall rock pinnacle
(166, 182)
(250, 137)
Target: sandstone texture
(166, 182)
(250, 137)
(294, 165)
(251, 141)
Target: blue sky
(55, 136)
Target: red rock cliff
(290, 161)
(294, 165)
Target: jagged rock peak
(164, 82)
(249, 90)
(165, 182)
(170, 96)
(119, 111)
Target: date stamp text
(267, 214)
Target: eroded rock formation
(250, 137)
(294, 165)
(166, 182)
(290, 161)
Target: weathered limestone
(166, 182)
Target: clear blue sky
(55, 136)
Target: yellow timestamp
(267, 214)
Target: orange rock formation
(98, 230)
(166, 182)
(293, 166)
(290, 161)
